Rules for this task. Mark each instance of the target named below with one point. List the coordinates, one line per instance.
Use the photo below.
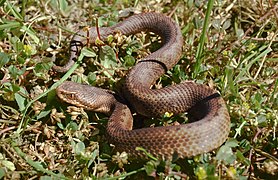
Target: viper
(210, 123)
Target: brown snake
(202, 103)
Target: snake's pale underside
(211, 124)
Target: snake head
(87, 97)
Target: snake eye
(72, 96)
(69, 96)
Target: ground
(228, 45)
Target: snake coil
(202, 103)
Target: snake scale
(211, 124)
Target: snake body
(211, 119)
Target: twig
(97, 27)
(7, 129)
(259, 39)
(7, 121)
(266, 154)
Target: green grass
(228, 45)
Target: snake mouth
(66, 95)
(69, 97)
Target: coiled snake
(201, 102)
